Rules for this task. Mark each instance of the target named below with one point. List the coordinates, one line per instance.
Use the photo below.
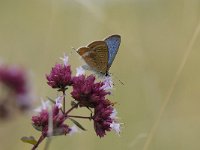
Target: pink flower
(17, 84)
(87, 92)
(102, 119)
(105, 118)
(14, 78)
(41, 122)
(60, 77)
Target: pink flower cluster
(15, 84)
(86, 92)
(14, 78)
(60, 77)
(41, 122)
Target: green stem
(64, 101)
(47, 143)
(38, 142)
(66, 114)
(79, 117)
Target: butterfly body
(99, 55)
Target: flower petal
(65, 59)
(73, 130)
(45, 105)
(80, 71)
(114, 114)
(116, 127)
(59, 101)
(108, 84)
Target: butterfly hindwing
(96, 56)
(85, 53)
(113, 43)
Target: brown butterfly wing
(96, 56)
(84, 52)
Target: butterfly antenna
(72, 51)
(122, 83)
(73, 48)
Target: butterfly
(99, 55)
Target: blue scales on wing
(113, 43)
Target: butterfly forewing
(96, 56)
(113, 43)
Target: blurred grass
(155, 36)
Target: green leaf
(30, 140)
(78, 124)
(37, 128)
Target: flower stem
(66, 114)
(64, 100)
(38, 142)
(80, 117)
(47, 143)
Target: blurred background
(158, 61)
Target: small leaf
(30, 140)
(51, 100)
(37, 128)
(78, 124)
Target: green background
(158, 61)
